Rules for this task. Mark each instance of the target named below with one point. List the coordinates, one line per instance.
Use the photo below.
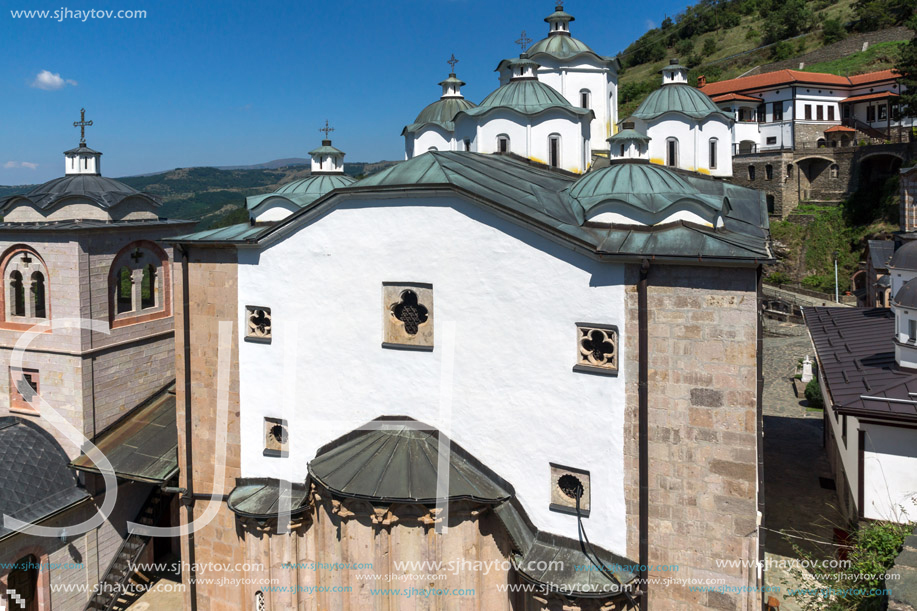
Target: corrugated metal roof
(399, 463)
(856, 353)
(34, 479)
(234, 233)
(142, 445)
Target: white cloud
(650, 24)
(49, 81)
(20, 164)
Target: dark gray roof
(905, 257)
(104, 192)
(81, 224)
(906, 297)
(142, 445)
(82, 148)
(880, 252)
(398, 463)
(537, 197)
(260, 498)
(856, 353)
(35, 482)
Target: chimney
(701, 81)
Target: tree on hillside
(907, 66)
(878, 14)
(832, 30)
(786, 19)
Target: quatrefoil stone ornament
(407, 315)
(597, 348)
(258, 326)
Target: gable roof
(856, 354)
(791, 77)
(534, 196)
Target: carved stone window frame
(138, 257)
(562, 502)
(586, 365)
(32, 270)
(395, 334)
(274, 447)
(253, 335)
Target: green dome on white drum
(525, 94)
(633, 193)
(441, 112)
(680, 98)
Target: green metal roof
(452, 80)
(680, 98)
(441, 113)
(326, 149)
(537, 197)
(304, 191)
(527, 97)
(143, 445)
(260, 498)
(398, 462)
(559, 15)
(649, 188)
(629, 134)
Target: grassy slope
(731, 42)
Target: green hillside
(724, 39)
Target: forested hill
(724, 39)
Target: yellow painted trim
(657, 161)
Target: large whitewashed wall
(499, 381)
(693, 142)
(889, 473)
(430, 137)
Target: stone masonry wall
(212, 281)
(704, 431)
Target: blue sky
(241, 83)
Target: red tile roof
(789, 77)
(881, 95)
(729, 97)
(839, 128)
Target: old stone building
(494, 320)
(86, 336)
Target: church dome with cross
(326, 176)
(433, 128)
(81, 194)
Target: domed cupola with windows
(637, 193)
(628, 144)
(903, 266)
(433, 129)
(529, 118)
(327, 175)
(687, 130)
(81, 194)
(904, 305)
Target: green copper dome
(304, 191)
(643, 190)
(561, 47)
(527, 96)
(441, 112)
(681, 98)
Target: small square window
(24, 389)
(596, 349)
(407, 315)
(567, 484)
(772, 139)
(258, 324)
(276, 438)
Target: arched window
(789, 170)
(751, 172)
(503, 144)
(820, 143)
(834, 170)
(585, 98)
(148, 288)
(713, 144)
(139, 284)
(554, 150)
(38, 295)
(671, 148)
(16, 294)
(24, 581)
(768, 172)
(26, 287)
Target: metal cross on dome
(452, 61)
(523, 41)
(326, 129)
(82, 124)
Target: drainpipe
(759, 392)
(187, 498)
(643, 427)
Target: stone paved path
(794, 460)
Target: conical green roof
(680, 98)
(527, 97)
(304, 191)
(649, 188)
(441, 112)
